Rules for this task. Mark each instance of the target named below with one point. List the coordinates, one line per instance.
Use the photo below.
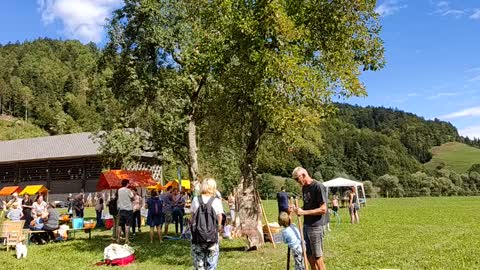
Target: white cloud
(82, 19)
(443, 9)
(474, 111)
(412, 94)
(445, 94)
(389, 7)
(476, 14)
(474, 78)
(471, 132)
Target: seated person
(37, 225)
(15, 214)
(51, 217)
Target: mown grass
(409, 233)
(458, 157)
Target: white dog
(21, 250)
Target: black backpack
(112, 207)
(204, 226)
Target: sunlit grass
(410, 233)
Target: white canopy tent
(342, 182)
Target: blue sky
(432, 50)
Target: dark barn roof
(52, 147)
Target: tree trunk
(192, 149)
(249, 214)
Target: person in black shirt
(315, 216)
(282, 201)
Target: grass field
(408, 233)
(458, 157)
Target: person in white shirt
(39, 206)
(125, 210)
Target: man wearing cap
(15, 199)
(314, 211)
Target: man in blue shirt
(282, 200)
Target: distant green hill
(456, 156)
(12, 129)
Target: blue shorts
(154, 221)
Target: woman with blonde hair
(205, 225)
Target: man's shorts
(313, 240)
(167, 217)
(125, 217)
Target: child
(15, 214)
(334, 211)
(291, 237)
(335, 205)
(227, 230)
(37, 225)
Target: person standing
(155, 216)
(353, 206)
(291, 237)
(27, 210)
(315, 216)
(206, 223)
(125, 210)
(79, 205)
(99, 209)
(113, 210)
(70, 201)
(231, 206)
(167, 199)
(178, 210)
(282, 201)
(137, 206)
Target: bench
(69, 232)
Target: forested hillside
(53, 83)
(61, 87)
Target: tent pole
(364, 195)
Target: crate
(277, 237)
(77, 223)
(273, 229)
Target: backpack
(112, 207)
(204, 227)
(155, 207)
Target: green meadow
(456, 156)
(406, 233)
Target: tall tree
(164, 53)
(287, 59)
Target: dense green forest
(62, 87)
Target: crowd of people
(37, 214)
(208, 221)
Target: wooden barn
(64, 164)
